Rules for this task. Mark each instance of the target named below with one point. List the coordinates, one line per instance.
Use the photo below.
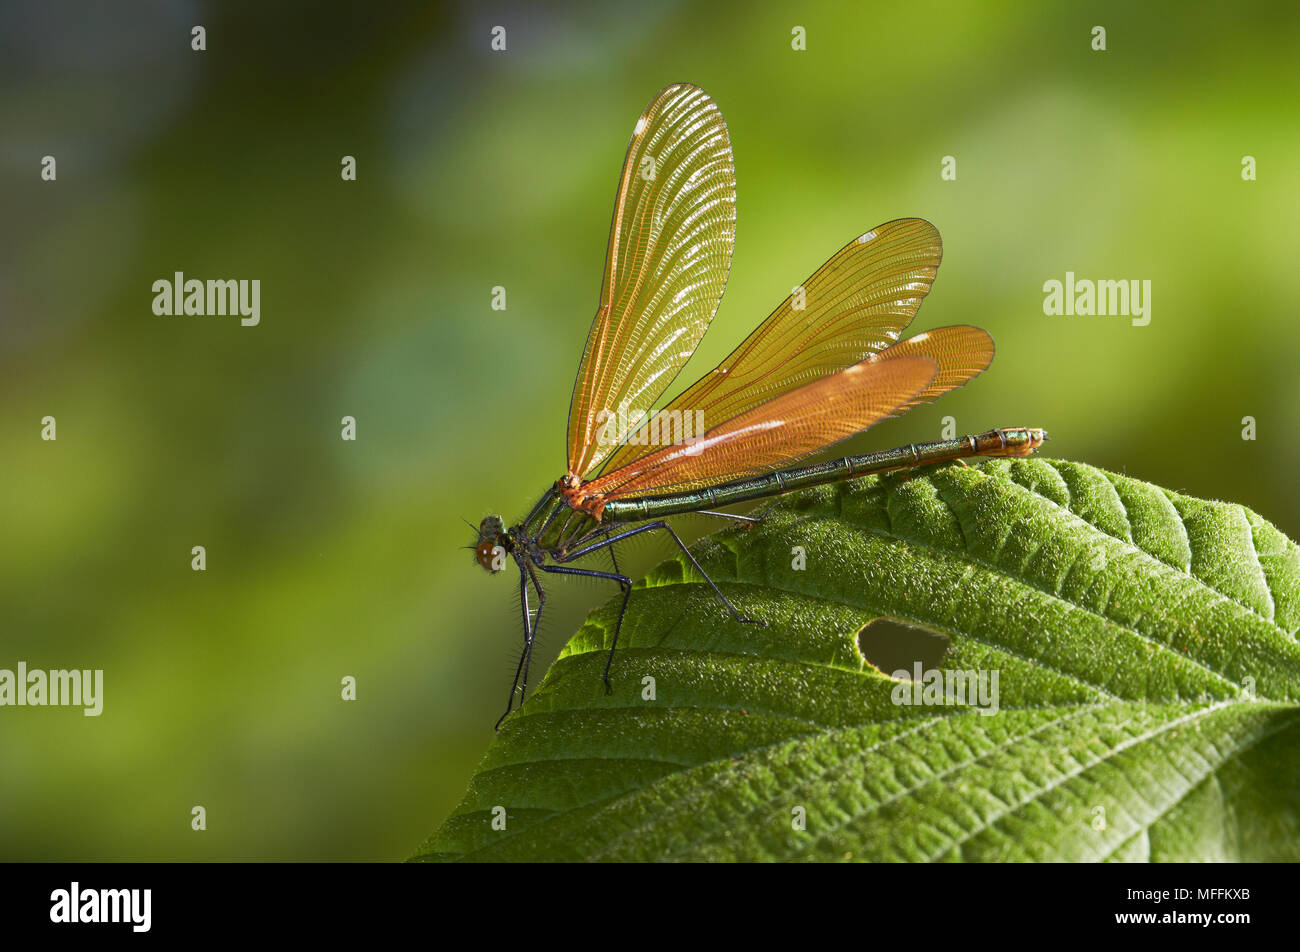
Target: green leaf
(1148, 701)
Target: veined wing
(856, 304)
(786, 428)
(961, 352)
(669, 253)
(873, 389)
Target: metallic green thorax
(565, 524)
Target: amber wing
(669, 253)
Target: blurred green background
(328, 558)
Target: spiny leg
(530, 628)
(523, 603)
(650, 527)
(600, 533)
(622, 580)
(532, 639)
(613, 557)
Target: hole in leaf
(894, 645)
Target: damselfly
(827, 364)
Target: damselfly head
(494, 544)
